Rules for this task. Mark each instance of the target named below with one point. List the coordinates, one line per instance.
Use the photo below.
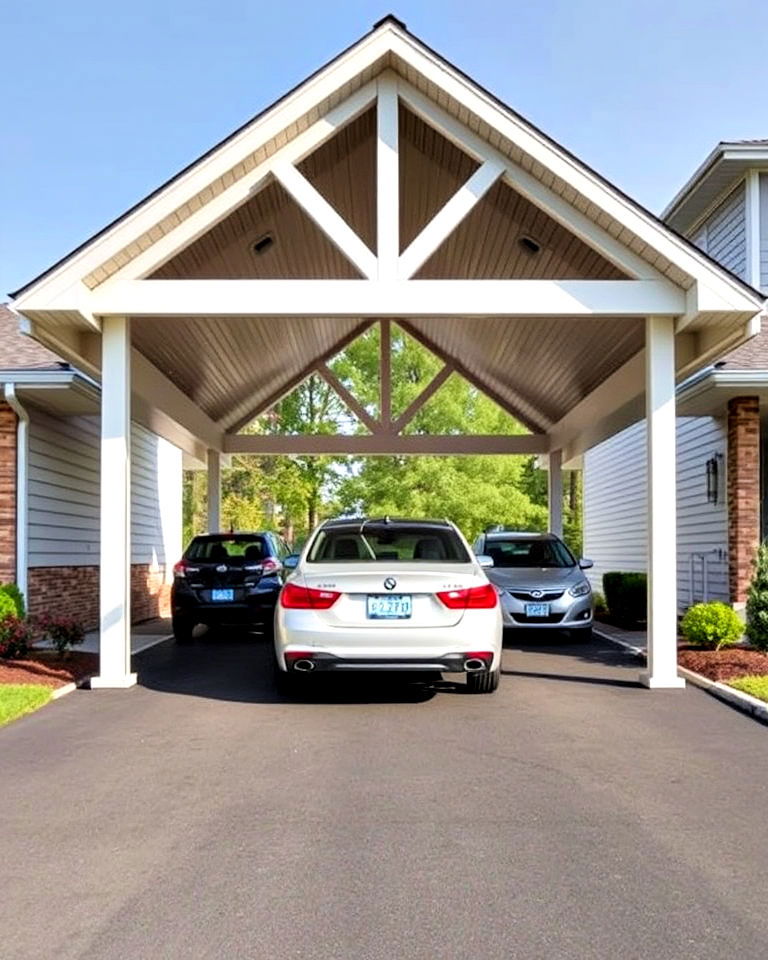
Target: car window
(387, 543)
(529, 553)
(237, 549)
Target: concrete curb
(734, 698)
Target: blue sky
(102, 103)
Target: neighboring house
(49, 488)
(722, 489)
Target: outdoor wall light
(529, 244)
(713, 478)
(263, 244)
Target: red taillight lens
(292, 655)
(471, 598)
(180, 569)
(294, 597)
(270, 565)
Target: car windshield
(529, 553)
(232, 548)
(387, 543)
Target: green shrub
(757, 601)
(626, 595)
(7, 606)
(15, 636)
(12, 591)
(712, 625)
(62, 632)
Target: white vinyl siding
(63, 519)
(723, 234)
(615, 509)
(764, 231)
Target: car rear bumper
(260, 608)
(324, 662)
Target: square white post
(555, 492)
(214, 491)
(115, 507)
(662, 504)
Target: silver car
(541, 585)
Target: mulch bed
(47, 668)
(727, 664)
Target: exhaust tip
(303, 666)
(474, 664)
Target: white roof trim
(389, 39)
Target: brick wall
(74, 592)
(7, 493)
(743, 492)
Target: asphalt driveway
(571, 815)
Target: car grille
(552, 618)
(540, 598)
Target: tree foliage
(294, 493)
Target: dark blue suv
(227, 579)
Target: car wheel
(182, 630)
(483, 681)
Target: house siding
(764, 231)
(723, 234)
(64, 494)
(615, 507)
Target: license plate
(222, 596)
(537, 609)
(389, 606)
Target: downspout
(22, 473)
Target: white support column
(662, 504)
(555, 492)
(115, 569)
(214, 491)
(387, 178)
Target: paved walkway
(143, 636)
(573, 815)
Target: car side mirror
(586, 564)
(484, 560)
(291, 561)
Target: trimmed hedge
(12, 592)
(626, 596)
(712, 625)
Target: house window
(714, 478)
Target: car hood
(535, 578)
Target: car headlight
(581, 589)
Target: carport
(387, 187)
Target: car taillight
(470, 598)
(270, 566)
(294, 597)
(180, 569)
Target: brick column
(743, 493)
(7, 493)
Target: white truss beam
(396, 298)
(387, 176)
(330, 222)
(445, 222)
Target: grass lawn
(16, 699)
(755, 686)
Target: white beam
(329, 220)
(450, 216)
(385, 444)
(529, 186)
(555, 492)
(752, 228)
(662, 505)
(387, 176)
(214, 491)
(115, 508)
(396, 298)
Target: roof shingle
(19, 352)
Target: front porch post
(555, 491)
(662, 504)
(115, 569)
(214, 491)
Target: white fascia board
(560, 164)
(392, 298)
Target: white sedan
(386, 594)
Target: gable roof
(390, 45)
